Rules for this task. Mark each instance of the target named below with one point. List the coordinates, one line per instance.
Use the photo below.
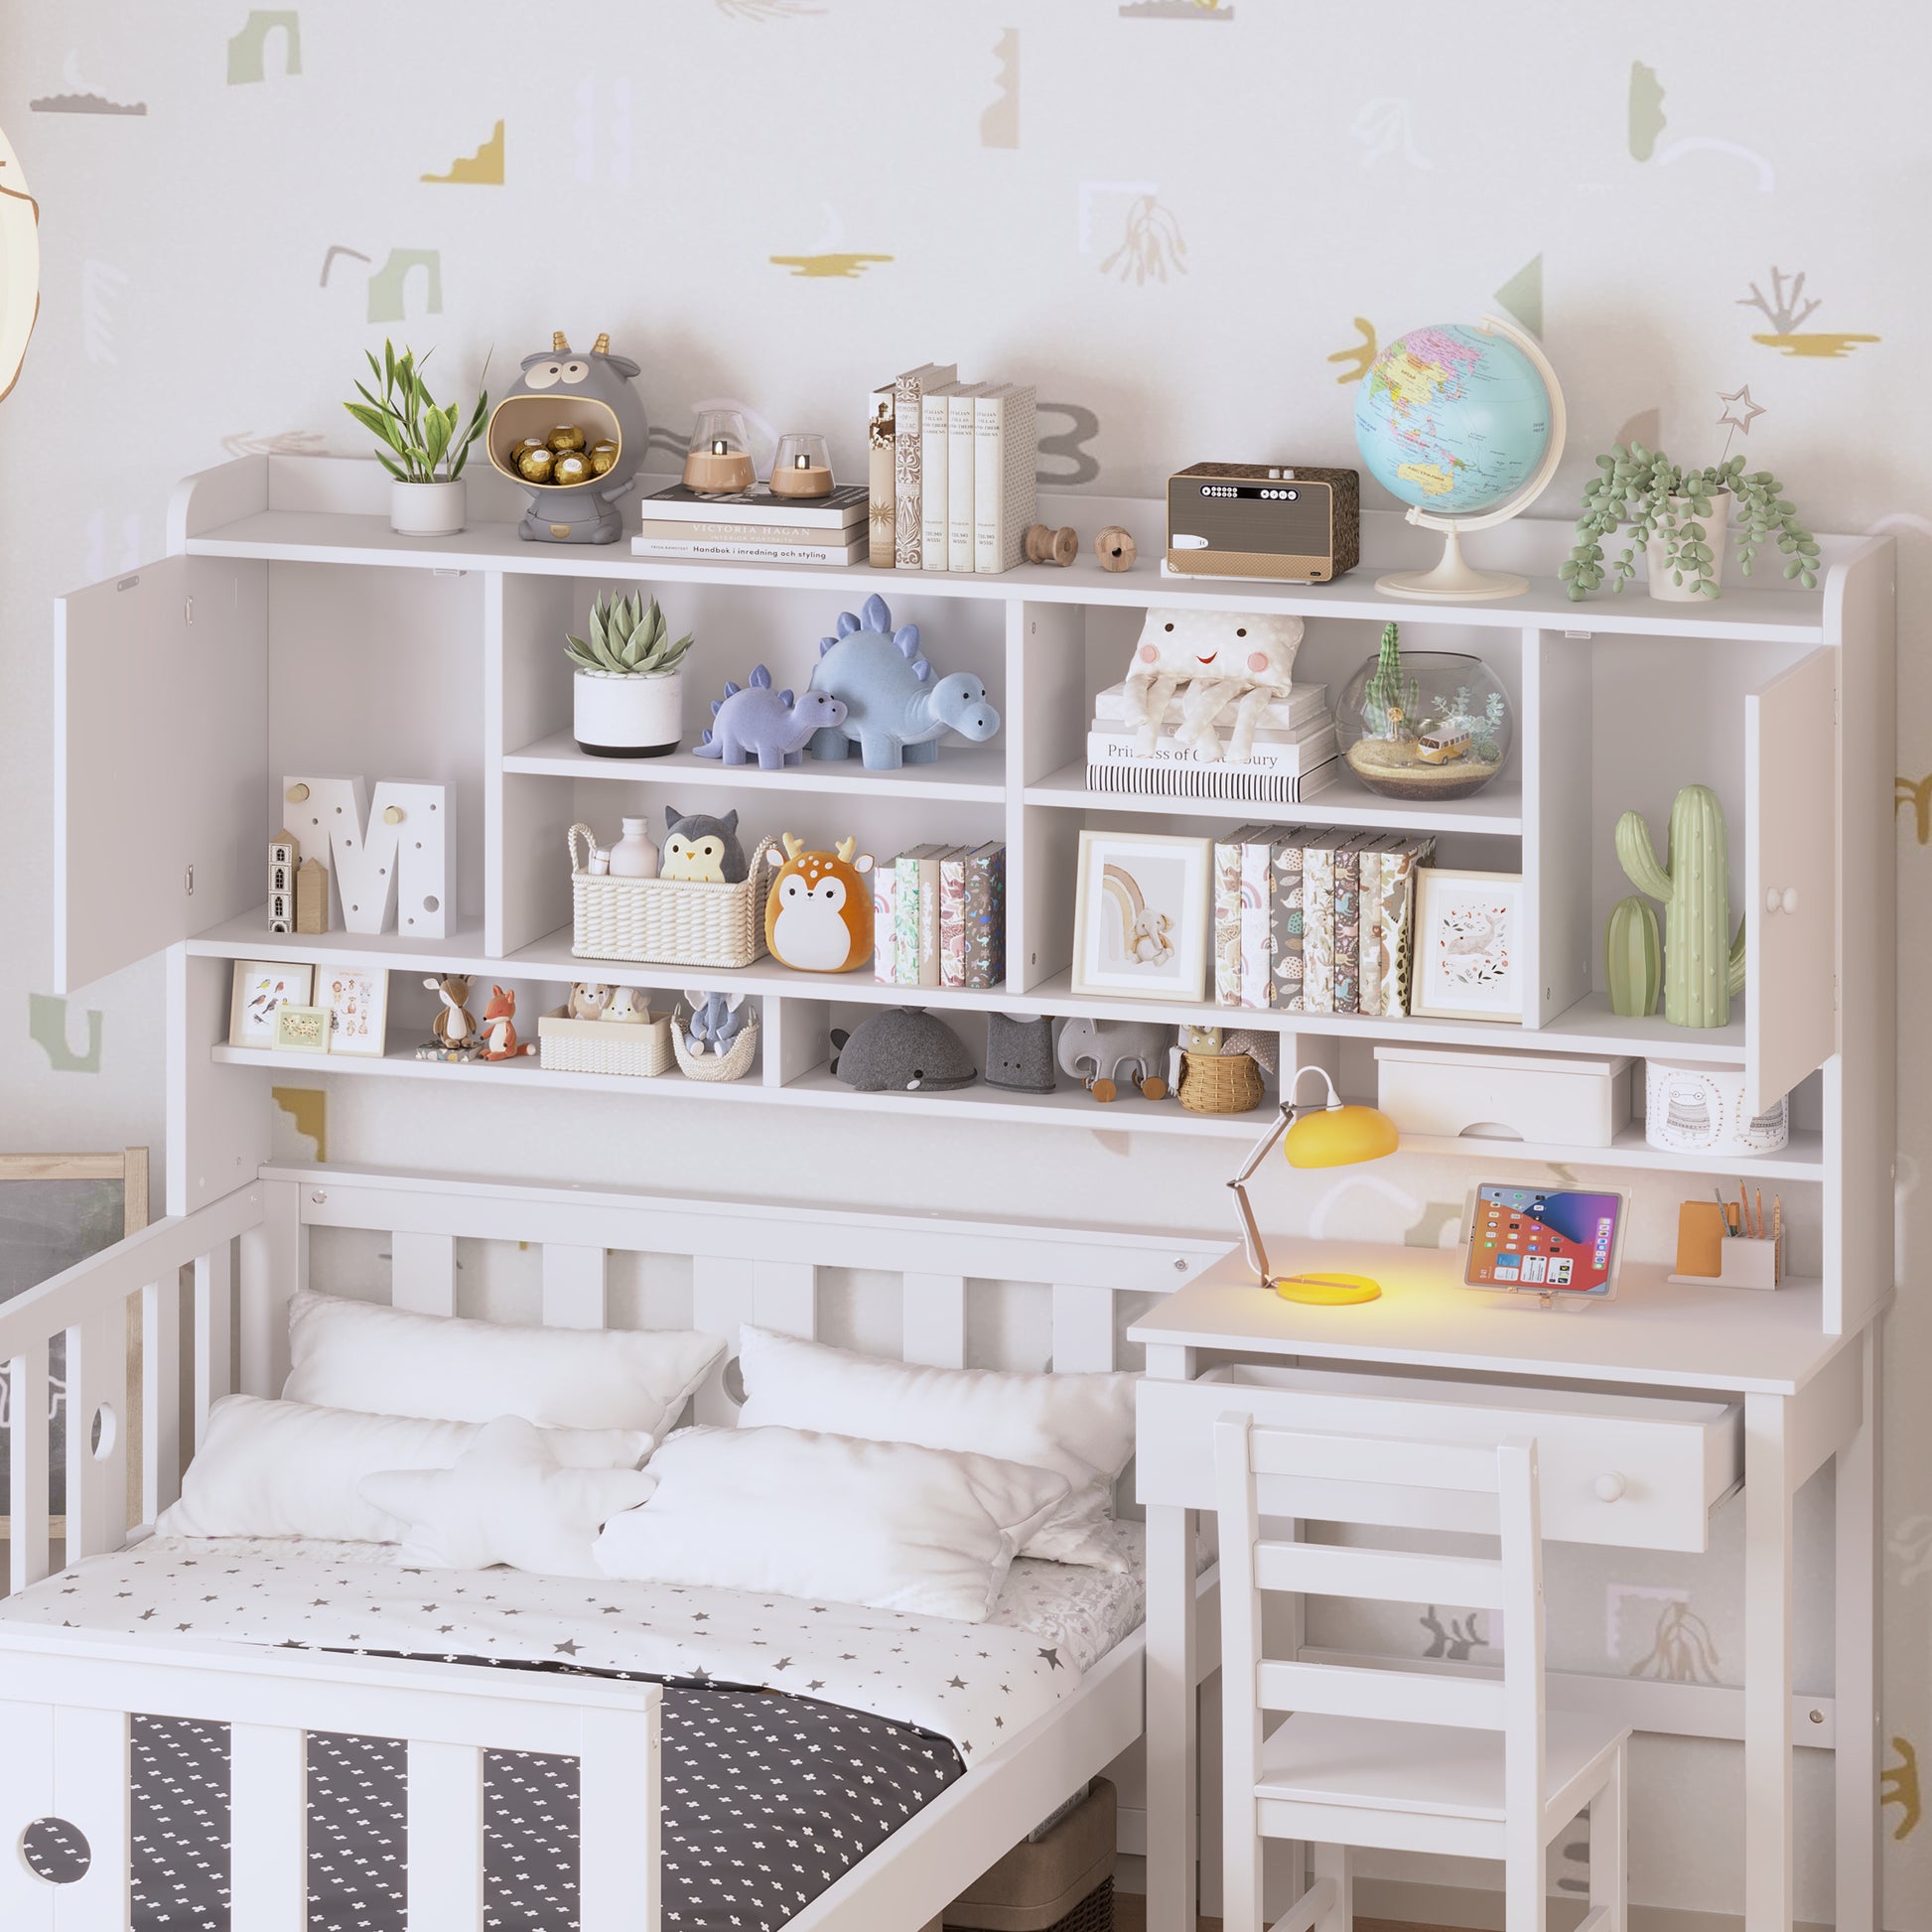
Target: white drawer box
(1636, 1471)
(1565, 1099)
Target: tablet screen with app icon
(1543, 1240)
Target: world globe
(1454, 420)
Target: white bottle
(634, 856)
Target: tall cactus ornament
(1388, 699)
(1701, 969)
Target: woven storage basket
(603, 1045)
(1060, 1882)
(1219, 1083)
(668, 921)
(731, 1065)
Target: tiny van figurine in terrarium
(1423, 724)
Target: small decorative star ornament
(1741, 414)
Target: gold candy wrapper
(602, 454)
(573, 467)
(565, 436)
(535, 466)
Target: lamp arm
(1263, 1147)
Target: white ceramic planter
(626, 717)
(1717, 533)
(431, 510)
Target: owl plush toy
(698, 847)
(818, 916)
(1218, 659)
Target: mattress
(767, 1799)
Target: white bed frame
(65, 1698)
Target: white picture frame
(1144, 894)
(262, 986)
(357, 999)
(1468, 945)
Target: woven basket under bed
(666, 921)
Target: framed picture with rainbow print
(1140, 924)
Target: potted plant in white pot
(425, 449)
(628, 688)
(1679, 518)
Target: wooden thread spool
(1115, 548)
(1045, 546)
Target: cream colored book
(935, 415)
(959, 478)
(1006, 460)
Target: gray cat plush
(702, 847)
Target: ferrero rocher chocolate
(572, 466)
(602, 454)
(566, 436)
(535, 466)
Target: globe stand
(1451, 580)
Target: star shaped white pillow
(506, 1501)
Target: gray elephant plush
(1102, 1053)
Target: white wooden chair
(1399, 1759)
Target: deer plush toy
(453, 1027)
(818, 916)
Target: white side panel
(160, 771)
(446, 1838)
(933, 1319)
(213, 1332)
(26, 1793)
(1563, 944)
(575, 1286)
(274, 1265)
(219, 1118)
(90, 1773)
(268, 1825)
(422, 1272)
(161, 1457)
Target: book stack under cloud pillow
(755, 526)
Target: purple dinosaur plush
(759, 722)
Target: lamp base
(1326, 1291)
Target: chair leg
(1608, 1857)
(1336, 1861)
(1526, 1904)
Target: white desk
(1806, 1397)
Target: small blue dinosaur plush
(697, 846)
(717, 1020)
(760, 723)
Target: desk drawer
(1639, 1472)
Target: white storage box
(1482, 1093)
(603, 1045)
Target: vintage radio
(1246, 519)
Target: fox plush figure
(500, 1040)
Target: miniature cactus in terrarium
(1404, 738)
(1389, 698)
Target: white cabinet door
(1790, 877)
(160, 761)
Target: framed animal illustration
(1468, 945)
(357, 999)
(262, 986)
(1140, 919)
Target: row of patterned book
(952, 468)
(939, 916)
(1316, 919)
(755, 526)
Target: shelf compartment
(1802, 1160)
(970, 775)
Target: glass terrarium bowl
(1423, 724)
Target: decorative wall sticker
(1083, 426)
(1382, 127)
(247, 51)
(484, 169)
(1646, 110)
(20, 266)
(1000, 123)
(354, 254)
(1454, 1639)
(307, 1109)
(1911, 1543)
(1360, 359)
(1917, 794)
(80, 99)
(1683, 1650)
(1898, 1784)
(1090, 195)
(1616, 1595)
(46, 1025)
(611, 128)
(1151, 246)
(389, 285)
(1175, 10)
(1522, 295)
(827, 259)
(100, 282)
(1785, 307)
(282, 442)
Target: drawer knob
(1609, 1488)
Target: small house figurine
(312, 896)
(283, 852)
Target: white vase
(1716, 530)
(616, 717)
(635, 856)
(426, 509)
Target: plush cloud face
(1248, 646)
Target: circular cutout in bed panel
(55, 1851)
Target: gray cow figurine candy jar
(572, 433)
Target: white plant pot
(1716, 533)
(426, 509)
(627, 717)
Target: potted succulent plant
(628, 698)
(1679, 518)
(424, 447)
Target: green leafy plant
(422, 436)
(628, 639)
(1646, 491)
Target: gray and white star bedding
(768, 1800)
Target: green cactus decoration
(1701, 972)
(1634, 958)
(1388, 699)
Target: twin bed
(285, 1731)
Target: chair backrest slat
(1389, 1575)
(1411, 1697)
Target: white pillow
(506, 1499)
(888, 1523)
(393, 1362)
(1079, 1426)
(284, 1469)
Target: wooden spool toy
(1115, 548)
(1045, 546)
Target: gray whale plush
(901, 1050)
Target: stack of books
(755, 526)
(952, 468)
(939, 916)
(1316, 919)
(1295, 754)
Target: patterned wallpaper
(1190, 224)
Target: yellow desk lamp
(1334, 1134)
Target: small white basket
(666, 921)
(568, 1046)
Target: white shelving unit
(289, 630)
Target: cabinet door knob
(1609, 1488)
(1774, 898)
(1790, 901)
